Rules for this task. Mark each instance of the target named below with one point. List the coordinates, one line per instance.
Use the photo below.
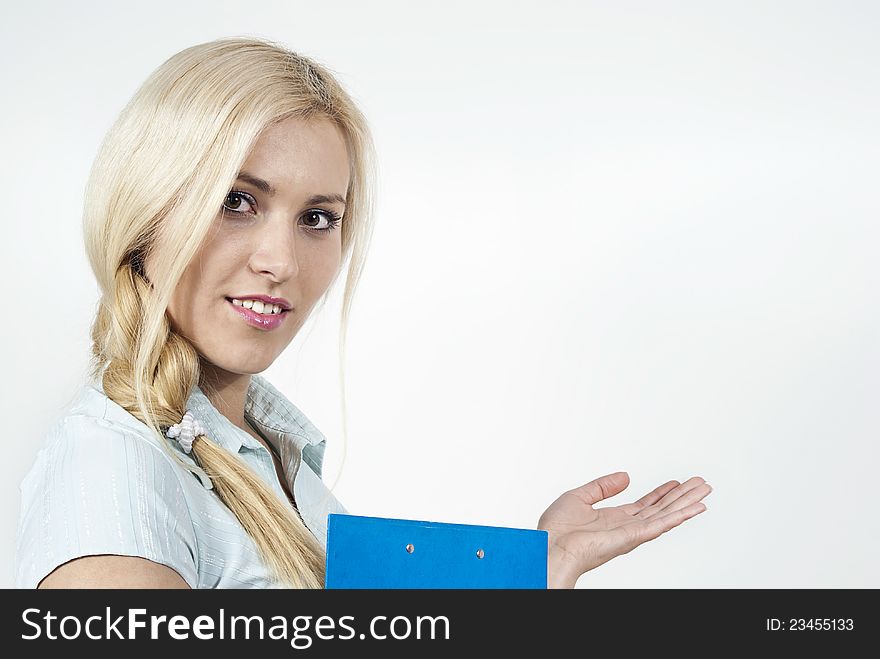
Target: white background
(629, 235)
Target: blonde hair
(156, 186)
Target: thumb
(602, 488)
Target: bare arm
(111, 571)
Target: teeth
(258, 306)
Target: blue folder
(378, 552)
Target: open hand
(581, 537)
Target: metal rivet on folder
(410, 548)
(480, 553)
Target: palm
(582, 537)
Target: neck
(226, 391)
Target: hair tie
(186, 431)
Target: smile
(262, 321)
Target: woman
(220, 209)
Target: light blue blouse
(103, 484)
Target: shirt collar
(280, 422)
(283, 424)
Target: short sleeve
(97, 488)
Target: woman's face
(277, 235)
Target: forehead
(298, 156)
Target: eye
(234, 200)
(316, 215)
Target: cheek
(200, 284)
(321, 265)
(182, 310)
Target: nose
(274, 254)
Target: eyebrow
(265, 186)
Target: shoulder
(87, 446)
(96, 433)
(92, 404)
(99, 486)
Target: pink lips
(259, 320)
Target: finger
(648, 499)
(633, 535)
(602, 488)
(671, 496)
(691, 496)
(663, 523)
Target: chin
(244, 366)
(251, 368)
